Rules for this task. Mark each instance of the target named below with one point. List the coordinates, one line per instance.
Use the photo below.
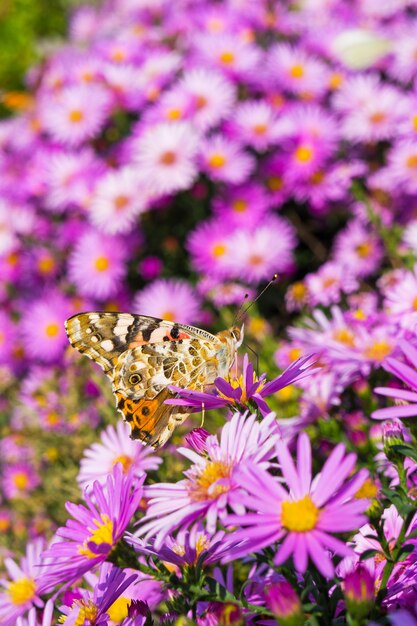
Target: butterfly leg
(203, 414)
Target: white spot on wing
(107, 345)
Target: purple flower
(408, 399)
(245, 391)
(94, 608)
(209, 487)
(172, 300)
(91, 535)
(302, 514)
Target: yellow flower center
(125, 460)
(218, 250)
(297, 71)
(88, 612)
(364, 249)
(414, 122)
(377, 118)
(118, 55)
(120, 202)
(260, 129)
(76, 116)
(102, 534)
(239, 205)
(52, 418)
(101, 263)
(299, 291)
(411, 161)
(294, 354)
(303, 154)
(335, 81)
(168, 315)
(4, 524)
(174, 114)
(317, 178)
(52, 329)
(217, 160)
(46, 264)
(378, 351)
(119, 609)
(168, 158)
(12, 259)
(21, 590)
(212, 472)
(275, 183)
(359, 315)
(2, 337)
(368, 490)
(299, 516)
(227, 57)
(286, 393)
(344, 336)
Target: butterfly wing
(142, 355)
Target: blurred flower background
(166, 159)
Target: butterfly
(143, 355)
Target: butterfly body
(143, 355)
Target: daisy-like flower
(211, 96)
(94, 608)
(328, 283)
(209, 486)
(19, 479)
(209, 246)
(229, 53)
(31, 620)
(87, 540)
(118, 198)
(301, 513)
(188, 547)
(358, 248)
(401, 299)
(76, 113)
(22, 590)
(169, 299)
(296, 71)
(245, 205)
(255, 124)
(43, 327)
(165, 154)
(402, 166)
(116, 447)
(224, 160)
(245, 391)
(257, 254)
(96, 265)
(408, 375)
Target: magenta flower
(406, 374)
(169, 299)
(91, 535)
(301, 514)
(247, 390)
(209, 487)
(19, 479)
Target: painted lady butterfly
(143, 355)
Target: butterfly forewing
(142, 356)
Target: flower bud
(284, 602)
(359, 591)
(392, 436)
(196, 439)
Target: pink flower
(172, 300)
(97, 265)
(224, 160)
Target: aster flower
(118, 199)
(96, 265)
(255, 255)
(87, 540)
(19, 479)
(116, 447)
(247, 390)
(42, 326)
(255, 124)
(328, 283)
(209, 487)
(224, 160)
(246, 205)
(92, 608)
(25, 585)
(209, 246)
(358, 248)
(31, 620)
(401, 298)
(297, 71)
(407, 406)
(172, 300)
(210, 94)
(165, 154)
(300, 513)
(186, 548)
(229, 53)
(76, 113)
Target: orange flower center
(227, 57)
(101, 263)
(217, 160)
(76, 115)
(168, 158)
(297, 71)
(52, 329)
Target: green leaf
(405, 551)
(370, 554)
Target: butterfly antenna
(242, 311)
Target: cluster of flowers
(236, 135)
